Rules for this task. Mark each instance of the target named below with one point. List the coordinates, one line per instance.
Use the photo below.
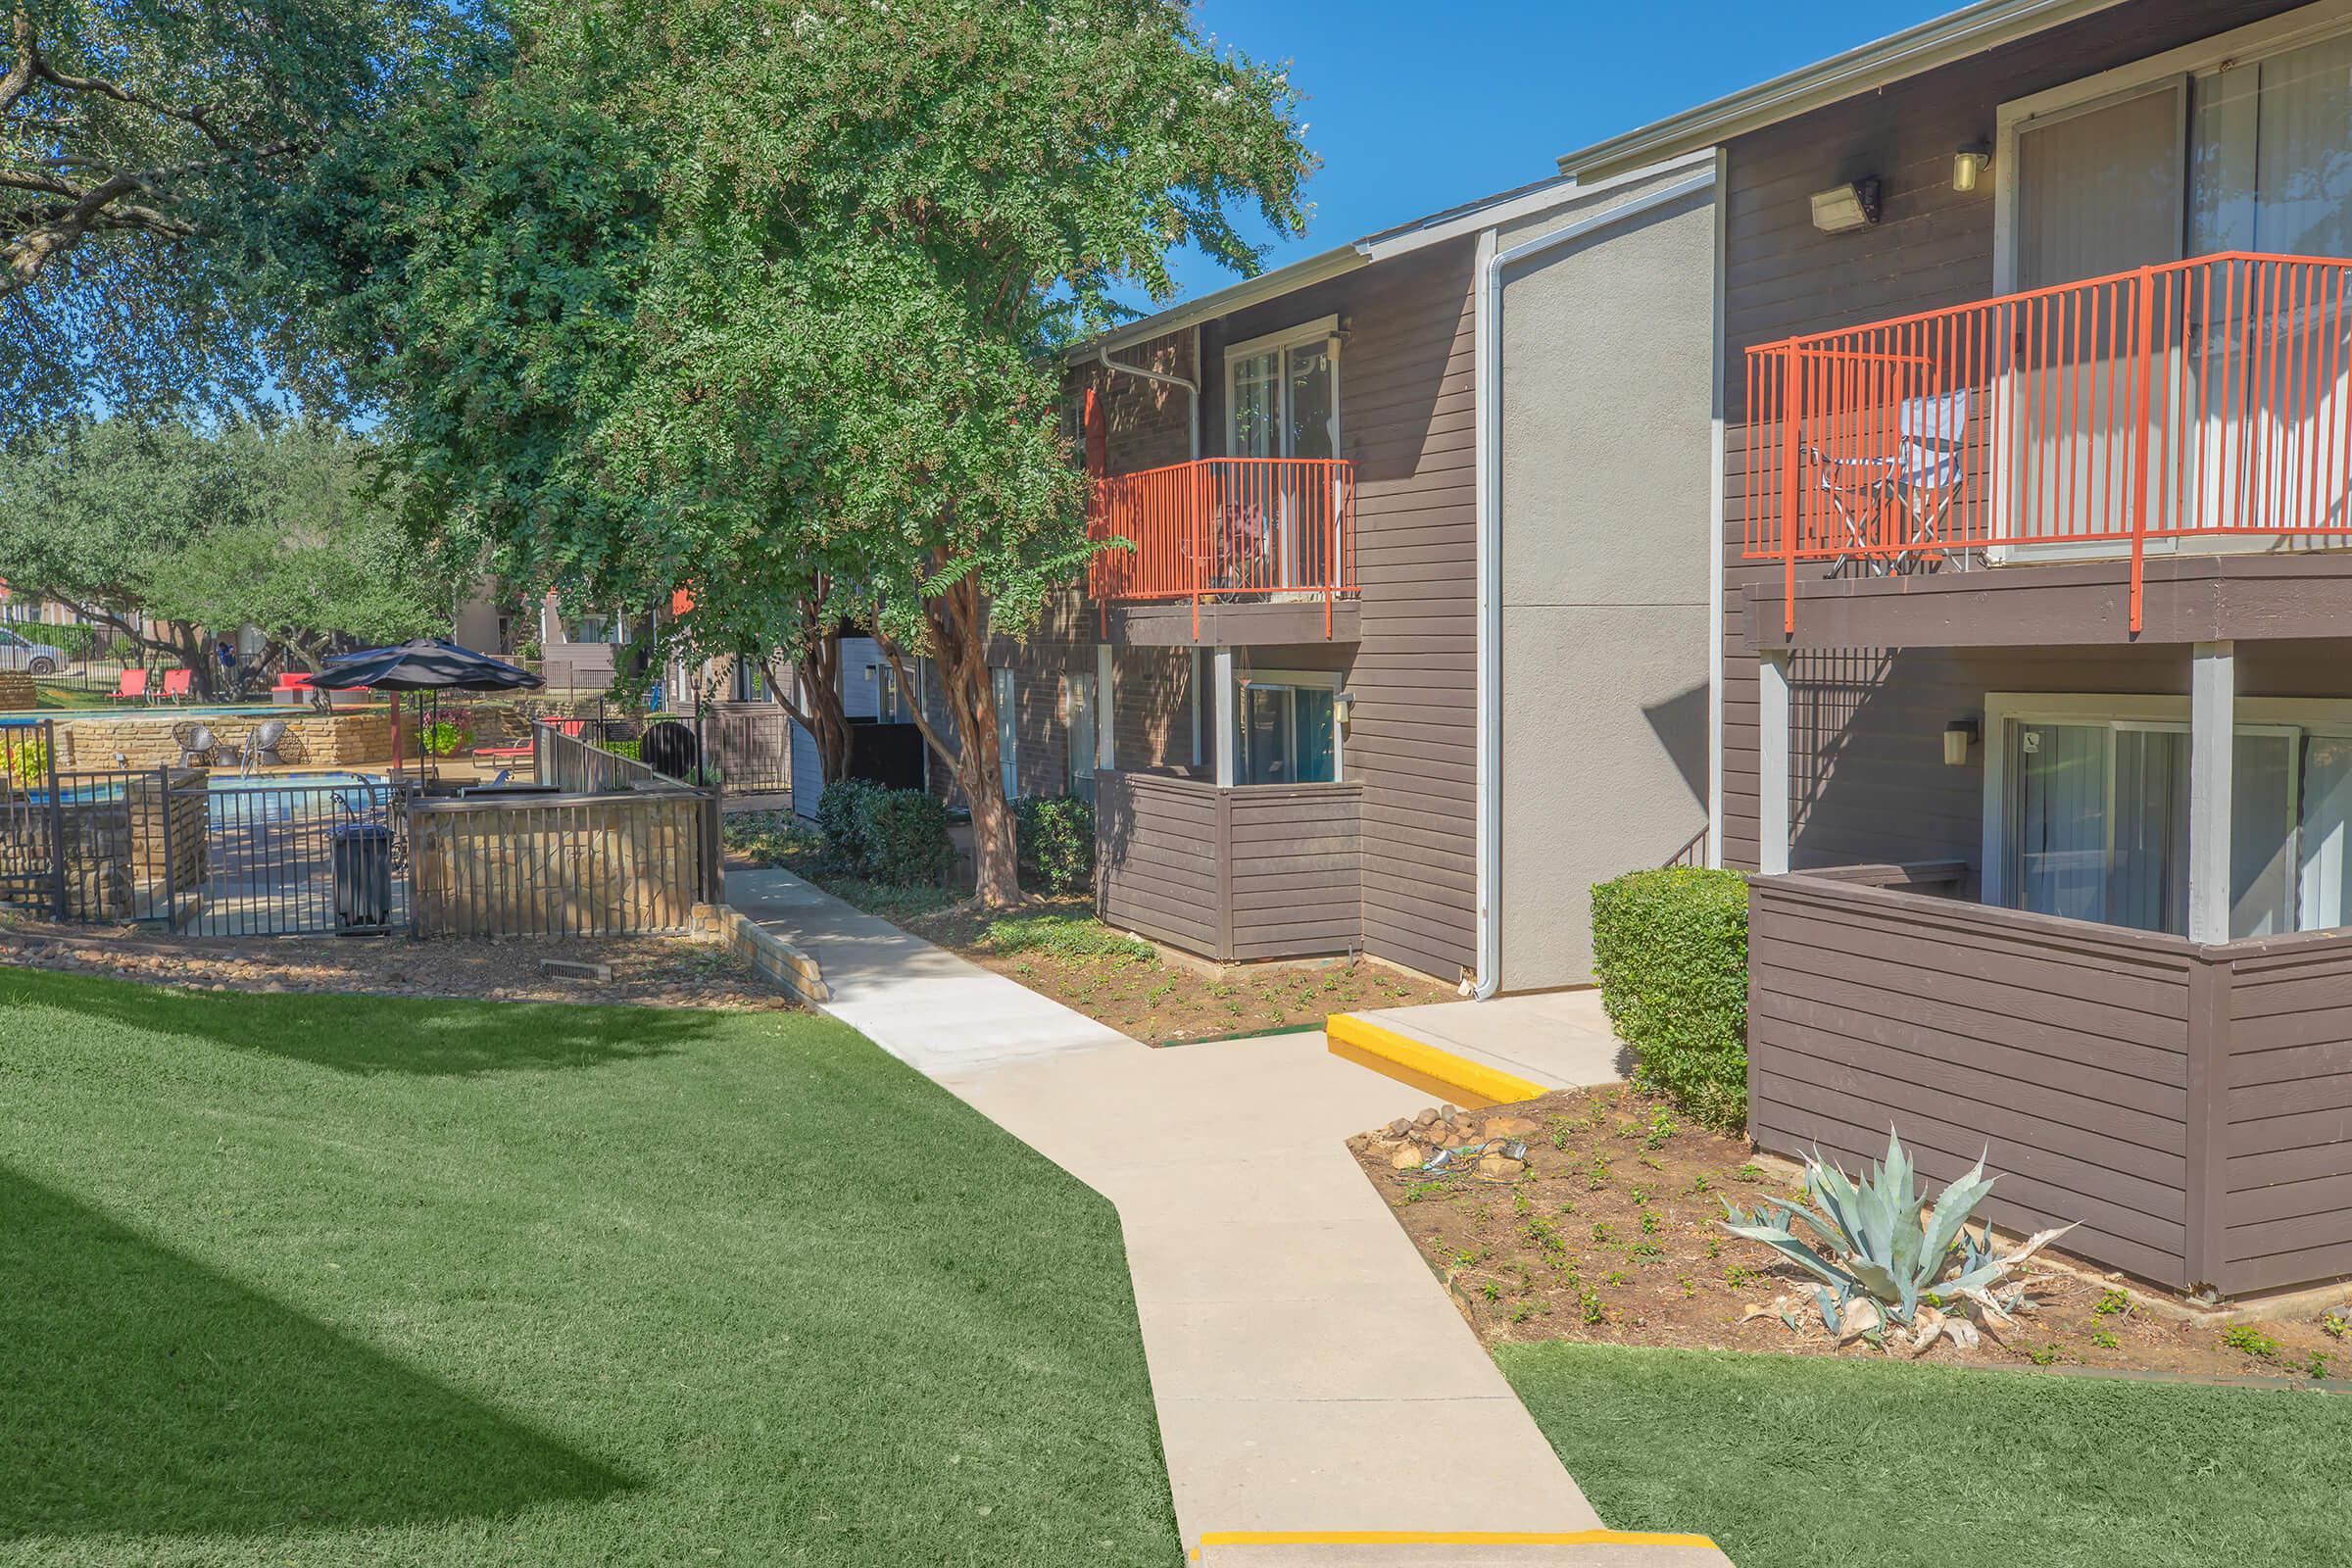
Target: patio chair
(131, 686)
(1904, 499)
(261, 747)
(176, 687)
(198, 746)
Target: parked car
(41, 659)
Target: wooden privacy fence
(611, 864)
(618, 849)
(1258, 871)
(2190, 1105)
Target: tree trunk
(958, 624)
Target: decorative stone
(1511, 1127)
(1400, 1127)
(1500, 1166)
(1424, 1117)
(1408, 1156)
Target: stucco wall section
(1607, 391)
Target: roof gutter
(1225, 301)
(1971, 30)
(1486, 357)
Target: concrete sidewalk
(1314, 1383)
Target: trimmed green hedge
(1670, 949)
(1053, 843)
(898, 838)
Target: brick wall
(312, 739)
(1150, 422)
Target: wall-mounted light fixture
(1343, 706)
(1969, 165)
(1842, 209)
(1958, 736)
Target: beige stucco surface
(1605, 410)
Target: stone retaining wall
(144, 740)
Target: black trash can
(362, 859)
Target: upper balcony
(1224, 530)
(2197, 410)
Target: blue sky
(1416, 107)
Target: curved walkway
(1320, 1401)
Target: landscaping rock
(1400, 1127)
(1500, 1166)
(1408, 1156)
(1425, 1116)
(1512, 1127)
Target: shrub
(840, 824)
(27, 763)
(1670, 950)
(906, 843)
(898, 838)
(442, 738)
(1054, 839)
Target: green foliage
(1670, 951)
(2250, 1340)
(627, 749)
(28, 763)
(284, 526)
(446, 738)
(148, 156)
(1065, 936)
(1055, 839)
(1878, 1262)
(894, 837)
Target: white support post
(1106, 746)
(2212, 762)
(1771, 764)
(1227, 728)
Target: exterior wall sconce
(1958, 736)
(1343, 706)
(1969, 165)
(1842, 209)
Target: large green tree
(164, 533)
(737, 295)
(144, 148)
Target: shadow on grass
(147, 1394)
(438, 1038)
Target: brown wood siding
(1296, 867)
(1407, 418)
(1157, 856)
(2286, 1183)
(2058, 1050)
(1267, 871)
(1933, 247)
(1406, 396)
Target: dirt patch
(646, 971)
(1059, 950)
(1607, 1231)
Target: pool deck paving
(1320, 1401)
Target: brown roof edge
(1970, 30)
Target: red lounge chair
(503, 754)
(571, 728)
(132, 686)
(175, 685)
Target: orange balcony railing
(1226, 528)
(2176, 406)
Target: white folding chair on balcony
(1891, 512)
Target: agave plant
(1881, 1263)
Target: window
(1078, 710)
(2241, 142)
(2088, 802)
(1001, 687)
(1290, 730)
(1283, 393)
(751, 681)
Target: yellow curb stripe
(1472, 1085)
(1451, 1538)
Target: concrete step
(1477, 1053)
(1397, 1549)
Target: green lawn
(320, 1280)
(1795, 1462)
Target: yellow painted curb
(1451, 1538)
(1469, 1084)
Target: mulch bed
(647, 971)
(1608, 1232)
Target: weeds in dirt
(2250, 1339)
(2112, 1303)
